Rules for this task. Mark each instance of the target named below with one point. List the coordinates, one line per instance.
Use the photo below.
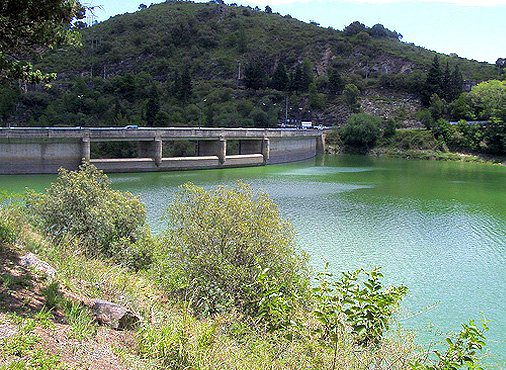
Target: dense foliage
(182, 63)
(361, 131)
(217, 244)
(81, 207)
(29, 27)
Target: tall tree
(254, 74)
(302, 77)
(28, 27)
(446, 84)
(457, 81)
(279, 79)
(183, 85)
(335, 81)
(433, 82)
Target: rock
(31, 260)
(114, 315)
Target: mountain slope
(131, 66)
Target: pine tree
(183, 85)
(307, 75)
(335, 81)
(433, 82)
(303, 77)
(296, 83)
(446, 84)
(254, 75)
(279, 79)
(457, 81)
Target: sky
(473, 29)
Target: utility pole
(286, 110)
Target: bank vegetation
(223, 286)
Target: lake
(437, 227)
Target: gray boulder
(30, 260)
(114, 315)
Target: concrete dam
(43, 150)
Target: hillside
(138, 68)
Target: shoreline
(433, 155)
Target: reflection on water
(438, 227)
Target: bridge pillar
(222, 150)
(266, 149)
(158, 151)
(86, 149)
(320, 144)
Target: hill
(183, 63)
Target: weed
(80, 320)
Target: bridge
(26, 150)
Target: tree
(433, 82)
(354, 28)
(152, 107)
(361, 131)
(279, 79)
(351, 95)
(27, 27)
(446, 84)
(254, 74)
(489, 100)
(500, 63)
(437, 106)
(335, 82)
(8, 98)
(457, 81)
(183, 85)
(268, 9)
(302, 77)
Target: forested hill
(179, 63)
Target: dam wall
(37, 150)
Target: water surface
(437, 227)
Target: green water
(437, 227)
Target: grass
(21, 350)
(80, 319)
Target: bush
(81, 206)
(351, 95)
(361, 131)
(361, 298)
(389, 128)
(218, 241)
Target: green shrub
(81, 205)
(216, 243)
(357, 299)
(389, 128)
(361, 131)
(136, 255)
(462, 351)
(425, 118)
